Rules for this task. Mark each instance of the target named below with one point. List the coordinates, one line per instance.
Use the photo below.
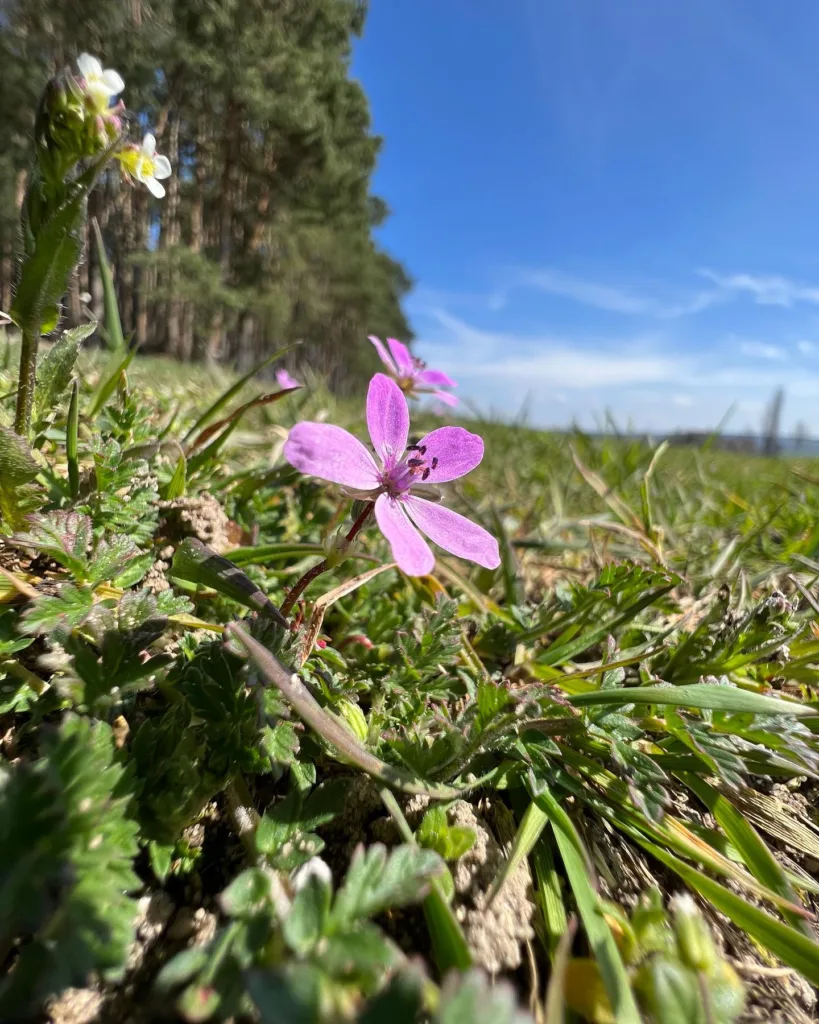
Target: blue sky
(606, 203)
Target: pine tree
(266, 234)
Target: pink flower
(330, 453)
(411, 374)
(284, 380)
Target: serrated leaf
(61, 612)
(470, 998)
(646, 780)
(61, 535)
(110, 558)
(56, 369)
(377, 881)
(18, 468)
(91, 845)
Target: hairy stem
(321, 567)
(27, 379)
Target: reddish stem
(321, 567)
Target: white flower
(314, 868)
(101, 85)
(146, 165)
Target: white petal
(149, 144)
(89, 66)
(154, 187)
(162, 167)
(112, 81)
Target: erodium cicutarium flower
(284, 380)
(411, 374)
(399, 478)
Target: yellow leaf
(586, 993)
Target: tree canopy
(266, 234)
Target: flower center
(414, 468)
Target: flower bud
(355, 719)
(336, 548)
(693, 936)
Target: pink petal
(453, 532)
(330, 453)
(383, 354)
(457, 451)
(435, 378)
(446, 397)
(409, 549)
(284, 380)
(402, 357)
(387, 418)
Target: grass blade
(107, 383)
(448, 942)
(532, 824)
(711, 696)
(743, 836)
(575, 861)
(550, 897)
(113, 325)
(554, 1011)
(72, 441)
(790, 946)
(232, 391)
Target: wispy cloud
(761, 350)
(766, 290)
(807, 348)
(551, 360)
(611, 298)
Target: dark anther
(425, 474)
(414, 463)
(434, 461)
(413, 447)
(422, 448)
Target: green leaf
(18, 467)
(248, 893)
(176, 485)
(61, 612)
(72, 442)
(377, 881)
(470, 998)
(601, 940)
(755, 854)
(44, 273)
(711, 696)
(195, 562)
(108, 380)
(89, 844)
(56, 370)
(113, 325)
(62, 535)
(531, 826)
(308, 917)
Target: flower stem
(26, 382)
(321, 567)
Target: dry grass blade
(235, 416)
(324, 602)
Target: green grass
(686, 573)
